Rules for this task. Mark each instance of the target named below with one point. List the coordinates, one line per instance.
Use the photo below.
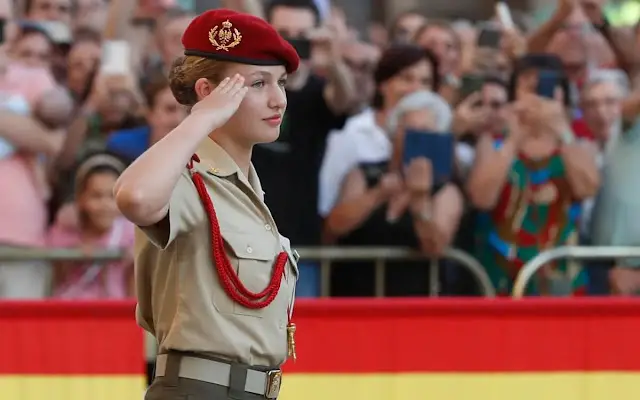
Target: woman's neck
(92, 233)
(155, 135)
(380, 117)
(240, 154)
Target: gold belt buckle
(274, 380)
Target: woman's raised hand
(223, 101)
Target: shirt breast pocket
(252, 258)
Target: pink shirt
(23, 212)
(94, 281)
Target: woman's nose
(277, 99)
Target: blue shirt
(129, 143)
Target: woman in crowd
(530, 180)
(369, 198)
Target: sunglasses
(494, 105)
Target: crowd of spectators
(425, 134)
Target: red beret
(232, 36)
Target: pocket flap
(248, 246)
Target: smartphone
(504, 15)
(3, 24)
(59, 32)
(548, 81)
(489, 36)
(116, 57)
(470, 84)
(437, 147)
(302, 46)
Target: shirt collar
(218, 162)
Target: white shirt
(361, 140)
(18, 105)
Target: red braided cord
(232, 284)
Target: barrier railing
(8, 253)
(574, 252)
(380, 255)
(325, 255)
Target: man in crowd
(316, 105)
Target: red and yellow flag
(70, 351)
(571, 349)
(565, 349)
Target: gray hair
(620, 79)
(616, 76)
(417, 101)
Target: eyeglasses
(494, 105)
(362, 66)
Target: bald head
(54, 108)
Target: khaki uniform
(180, 298)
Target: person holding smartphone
(369, 198)
(529, 180)
(215, 279)
(318, 104)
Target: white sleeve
(339, 159)
(465, 154)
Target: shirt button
(267, 227)
(249, 249)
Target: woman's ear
(203, 88)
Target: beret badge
(225, 38)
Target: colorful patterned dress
(535, 212)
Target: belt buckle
(274, 380)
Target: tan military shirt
(180, 298)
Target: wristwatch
(603, 26)
(452, 80)
(567, 137)
(423, 213)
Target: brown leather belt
(263, 383)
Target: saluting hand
(223, 101)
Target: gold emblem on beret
(226, 37)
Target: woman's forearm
(144, 189)
(348, 215)
(489, 174)
(582, 170)
(436, 219)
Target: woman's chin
(268, 135)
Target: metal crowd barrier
(325, 255)
(8, 253)
(380, 255)
(573, 252)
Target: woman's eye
(258, 84)
(282, 82)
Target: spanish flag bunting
(551, 349)
(70, 351)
